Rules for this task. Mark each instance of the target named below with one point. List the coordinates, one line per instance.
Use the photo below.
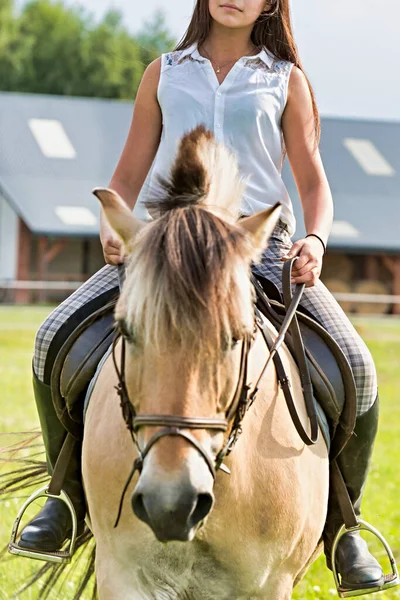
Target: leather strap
(299, 349)
(171, 421)
(285, 385)
(281, 373)
(61, 466)
(175, 432)
(342, 496)
(347, 421)
(337, 480)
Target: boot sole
(362, 586)
(352, 586)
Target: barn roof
(54, 150)
(362, 163)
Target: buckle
(61, 556)
(390, 580)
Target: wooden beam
(46, 253)
(24, 256)
(55, 250)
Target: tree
(154, 38)
(55, 34)
(112, 66)
(13, 47)
(50, 48)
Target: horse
(186, 312)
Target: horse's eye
(229, 344)
(235, 342)
(126, 331)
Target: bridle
(178, 426)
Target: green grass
(381, 507)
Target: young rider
(238, 71)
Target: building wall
(76, 260)
(8, 240)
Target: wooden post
(396, 283)
(41, 265)
(24, 254)
(392, 263)
(85, 258)
(371, 267)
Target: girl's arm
(137, 156)
(309, 175)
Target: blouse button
(218, 93)
(218, 126)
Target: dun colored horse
(191, 531)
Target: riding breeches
(103, 285)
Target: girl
(237, 70)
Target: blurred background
(69, 73)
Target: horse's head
(186, 309)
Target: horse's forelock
(204, 172)
(186, 282)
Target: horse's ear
(118, 214)
(260, 226)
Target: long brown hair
(272, 30)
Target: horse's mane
(186, 281)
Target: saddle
(331, 377)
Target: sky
(350, 49)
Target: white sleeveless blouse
(244, 112)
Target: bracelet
(317, 236)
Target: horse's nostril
(172, 518)
(203, 507)
(139, 508)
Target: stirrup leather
(61, 556)
(390, 580)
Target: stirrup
(61, 556)
(390, 580)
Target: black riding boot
(357, 568)
(49, 530)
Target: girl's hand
(113, 248)
(307, 268)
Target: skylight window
(76, 215)
(52, 138)
(368, 157)
(344, 229)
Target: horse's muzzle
(174, 512)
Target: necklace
(219, 67)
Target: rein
(177, 426)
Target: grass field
(381, 506)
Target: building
(54, 150)
(362, 162)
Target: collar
(265, 55)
